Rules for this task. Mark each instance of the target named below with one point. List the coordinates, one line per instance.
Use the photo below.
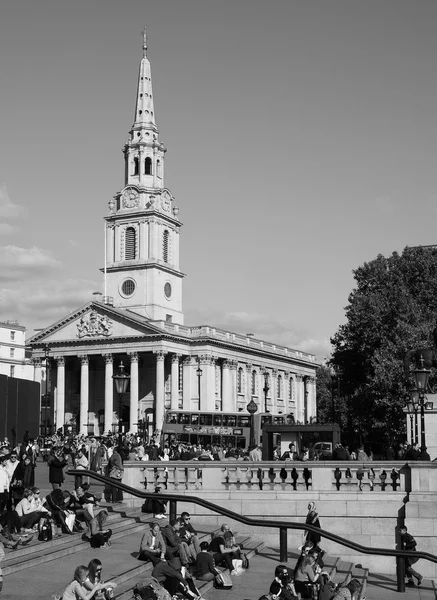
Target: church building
(139, 321)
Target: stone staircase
(43, 569)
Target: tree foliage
(393, 309)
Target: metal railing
(283, 526)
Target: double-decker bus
(212, 428)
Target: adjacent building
(139, 320)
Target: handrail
(251, 521)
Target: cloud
(9, 210)
(264, 327)
(7, 229)
(45, 302)
(17, 263)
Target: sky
(301, 137)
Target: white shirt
(4, 480)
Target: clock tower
(142, 228)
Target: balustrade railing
(271, 476)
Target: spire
(144, 43)
(144, 119)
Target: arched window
(129, 243)
(279, 386)
(240, 381)
(165, 246)
(253, 383)
(136, 167)
(290, 388)
(148, 166)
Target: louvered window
(148, 166)
(129, 248)
(165, 246)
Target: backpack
(151, 589)
(245, 560)
(223, 581)
(100, 539)
(44, 530)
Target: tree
(392, 309)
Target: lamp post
(252, 407)
(413, 406)
(422, 376)
(121, 384)
(199, 374)
(266, 390)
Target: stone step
(42, 554)
(115, 521)
(127, 581)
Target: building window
(12, 371)
(12, 336)
(290, 388)
(169, 318)
(240, 380)
(165, 245)
(12, 352)
(279, 386)
(253, 383)
(128, 287)
(148, 166)
(136, 169)
(129, 243)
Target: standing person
(56, 462)
(312, 518)
(80, 463)
(152, 546)
(305, 576)
(2, 555)
(115, 471)
(97, 458)
(409, 543)
(4, 482)
(291, 453)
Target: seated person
(305, 575)
(71, 503)
(25, 509)
(172, 580)
(76, 590)
(155, 506)
(95, 568)
(204, 569)
(152, 546)
(55, 502)
(189, 534)
(282, 586)
(176, 547)
(221, 554)
(39, 502)
(348, 591)
(86, 501)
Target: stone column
(311, 398)
(234, 366)
(60, 392)
(299, 399)
(274, 391)
(134, 392)
(109, 394)
(187, 383)
(174, 391)
(84, 393)
(226, 391)
(207, 382)
(37, 370)
(160, 390)
(109, 243)
(144, 240)
(249, 369)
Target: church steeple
(142, 234)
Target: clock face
(130, 198)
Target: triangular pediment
(96, 322)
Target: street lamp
(252, 407)
(199, 374)
(422, 376)
(121, 384)
(413, 406)
(266, 390)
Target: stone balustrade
(268, 476)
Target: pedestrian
(115, 472)
(312, 518)
(409, 543)
(56, 462)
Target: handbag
(116, 473)
(70, 518)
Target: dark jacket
(204, 565)
(172, 540)
(163, 570)
(56, 466)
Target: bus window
(216, 440)
(278, 420)
(228, 441)
(184, 438)
(217, 420)
(241, 442)
(193, 438)
(243, 421)
(194, 419)
(205, 420)
(172, 418)
(229, 420)
(205, 440)
(184, 418)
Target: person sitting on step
(176, 547)
(152, 546)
